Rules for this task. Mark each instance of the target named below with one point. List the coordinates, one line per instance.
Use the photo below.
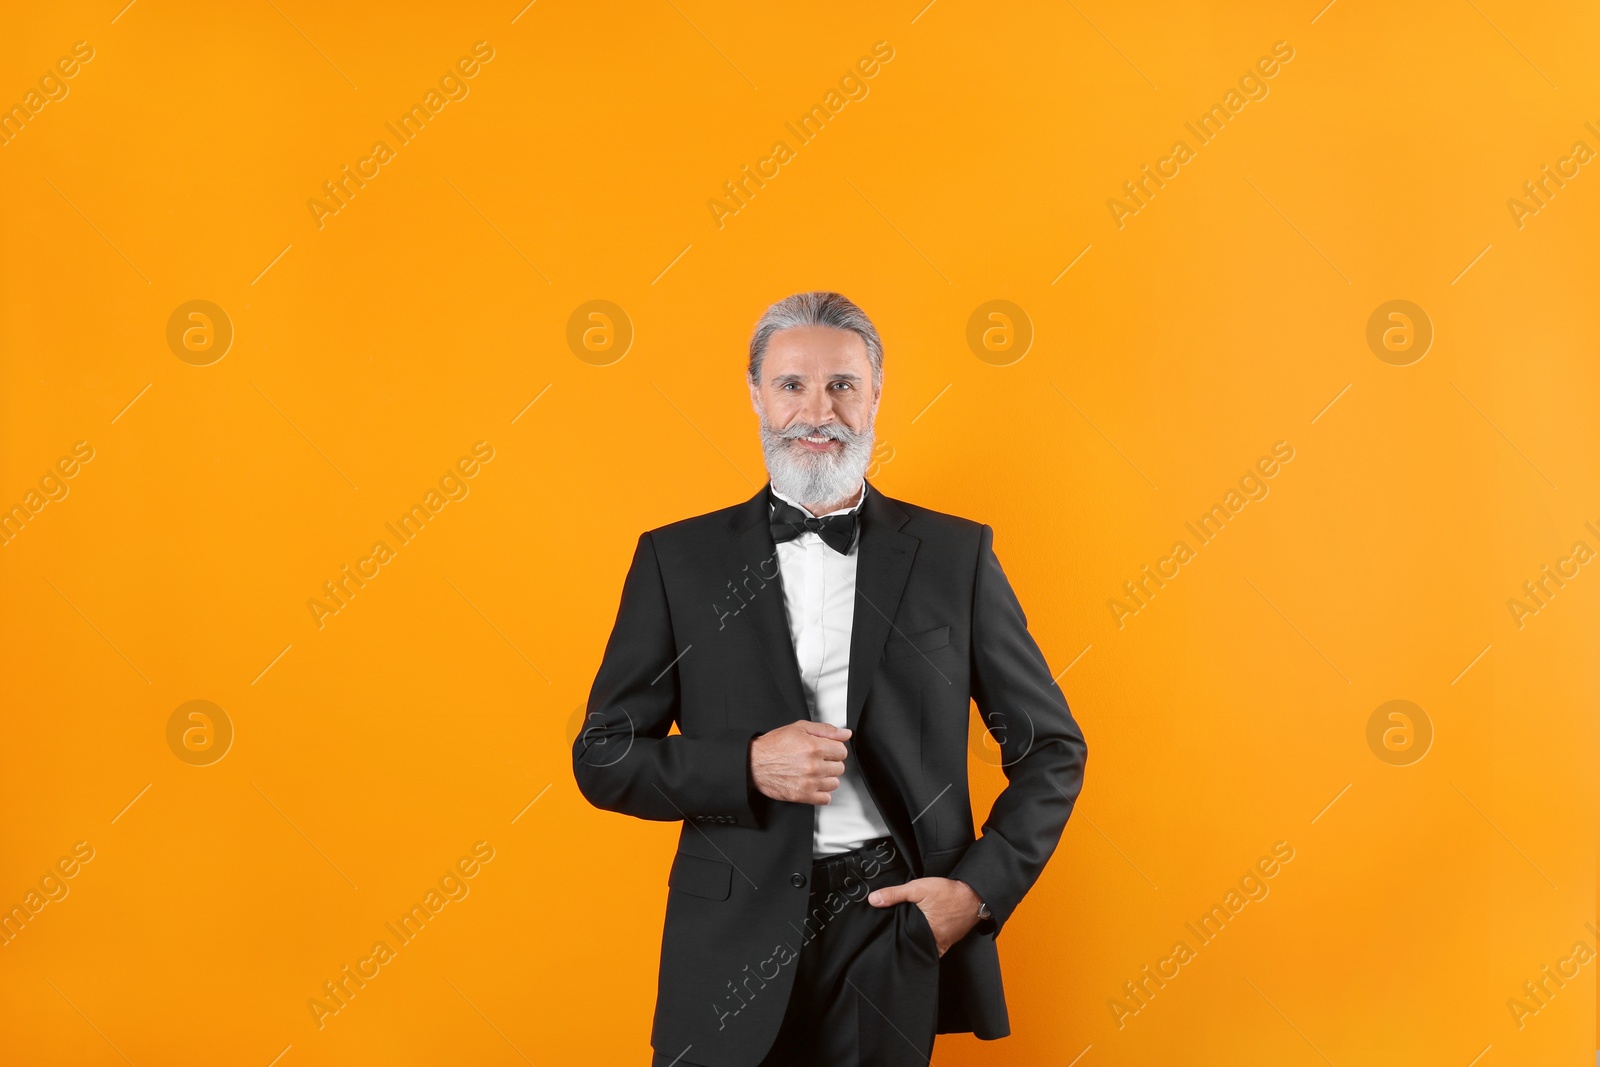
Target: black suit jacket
(701, 640)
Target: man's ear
(755, 399)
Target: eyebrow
(779, 379)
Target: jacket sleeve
(1042, 748)
(624, 758)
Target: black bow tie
(789, 522)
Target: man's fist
(800, 762)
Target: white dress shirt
(819, 597)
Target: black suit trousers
(866, 984)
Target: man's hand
(950, 905)
(800, 762)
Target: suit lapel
(752, 567)
(883, 561)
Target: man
(818, 647)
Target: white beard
(816, 477)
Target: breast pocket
(900, 645)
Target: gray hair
(833, 310)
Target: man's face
(817, 406)
(812, 376)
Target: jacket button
(797, 880)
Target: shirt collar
(840, 511)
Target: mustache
(833, 430)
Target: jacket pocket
(921, 928)
(902, 645)
(701, 877)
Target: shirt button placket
(813, 611)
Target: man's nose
(818, 408)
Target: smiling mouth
(814, 443)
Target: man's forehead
(797, 339)
(815, 350)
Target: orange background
(433, 710)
